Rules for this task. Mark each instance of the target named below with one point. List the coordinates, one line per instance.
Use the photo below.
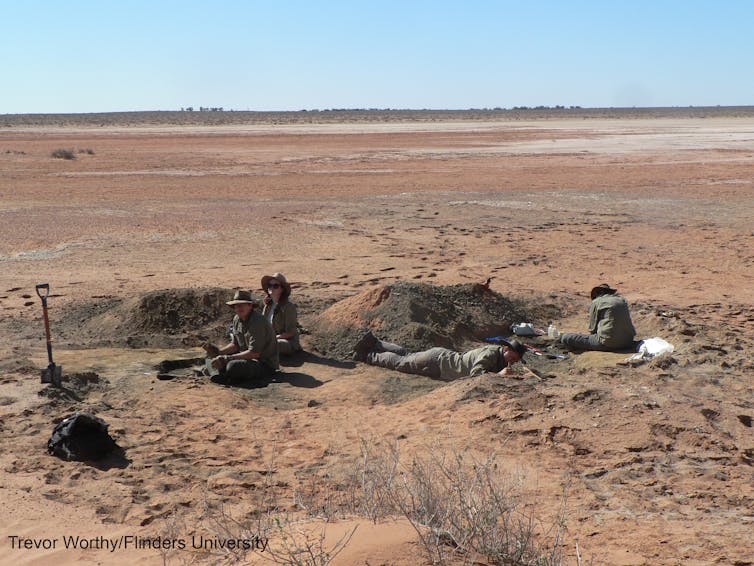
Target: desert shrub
(296, 546)
(61, 153)
(463, 509)
(460, 507)
(88, 151)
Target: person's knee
(578, 341)
(237, 370)
(285, 348)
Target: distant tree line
(558, 107)
(495, 109)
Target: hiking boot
(364, 346)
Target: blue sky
(108, 55)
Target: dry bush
(462, 509)
(297, 546)
(62, 153)
(88, 151)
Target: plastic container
(552, 331)
(524, 329)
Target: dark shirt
(256, 334)
(610, 320)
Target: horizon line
(220, 109)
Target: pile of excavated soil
(164, 318)
(417, 316)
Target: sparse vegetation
(463, 510)
(300, 547)
(88, 151)
(61, 153)
(460, 507)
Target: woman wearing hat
(610, 325)
(439, 363)
(281, 312)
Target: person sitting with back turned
(253, 351)
(610, 325)
(281, 312)
(439, 363)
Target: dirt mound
(75, 388)
(417, 316)
(164, 318)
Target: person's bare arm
(245, 355)
(230, 353)
(214, 351)
(229, 349)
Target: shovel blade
(53, 374)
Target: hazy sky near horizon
(97, 56)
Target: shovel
(52, 373)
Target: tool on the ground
(52, 373)
(532, 349)
(549, 355)
(532, 373)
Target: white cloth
(650, 348)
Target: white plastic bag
(524, 329)
(650, 348)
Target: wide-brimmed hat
(242, 298)
(516, 346)
(279, 277)
(602, 289)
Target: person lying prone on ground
(439, 363)
(253, 351)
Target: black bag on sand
(81, 437)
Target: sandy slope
(658, 460)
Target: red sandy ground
(660, 208)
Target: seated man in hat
(610, 326)
(253, 352)
(439, 363)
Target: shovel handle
(46, 287)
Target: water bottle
(552, 331)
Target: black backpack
(81, 437)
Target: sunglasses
(274, 286)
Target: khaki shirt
(256, 334)
(474, 362)
(610, 320)
(284, 320)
